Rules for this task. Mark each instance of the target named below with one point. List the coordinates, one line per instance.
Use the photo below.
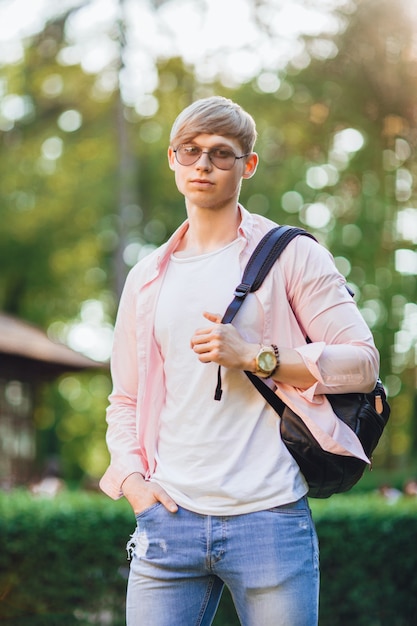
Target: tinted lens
(187, 155)
(220, 157)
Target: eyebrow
(217, 145)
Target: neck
(209, 231)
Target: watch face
(267, 361)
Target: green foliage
(75, 431)
(367, 559)
(63, 560)
(56, 188)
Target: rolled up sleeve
(341, 354)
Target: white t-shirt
(215, 457)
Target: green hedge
(63, 561)
(368, 560)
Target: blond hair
(215, 115)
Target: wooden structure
(28, 358)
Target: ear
(251, 165)
(171, 158)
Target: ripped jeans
(180, 562)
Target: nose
(204, 161)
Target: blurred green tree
(58, 191)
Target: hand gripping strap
(263, 258)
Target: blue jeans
(180, 562)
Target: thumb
(167, 501)
(216, 318)
(170, 505)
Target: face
(202, 183)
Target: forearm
(342, 368)
(126, 455)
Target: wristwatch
(267, 361)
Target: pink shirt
(298, 298)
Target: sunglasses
(222, 158)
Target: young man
(217, 496)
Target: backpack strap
(261, 261)
(263, 258)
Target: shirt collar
(246, 223)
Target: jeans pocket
(148, 509)
(292, 508)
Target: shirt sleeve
(341, 354)
(121, 437)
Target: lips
(201, 181)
